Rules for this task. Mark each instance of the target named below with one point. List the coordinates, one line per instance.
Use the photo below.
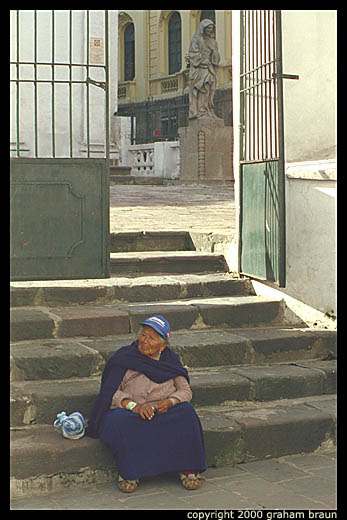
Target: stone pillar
(206, 152)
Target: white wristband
(131, 405)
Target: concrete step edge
(132, 179)
(167, 255)
(174, 262)
(124, 288)
(151, 241)
(35, 402)
(43, 461)
(198, 349)
(195, 313)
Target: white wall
(122, 139)
(61, 96)
(167, 159)
(311, 234)
(309, 47)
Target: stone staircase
(262, 386)
(122, 175)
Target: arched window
(175, 43)
(210, 14)
(129, 52)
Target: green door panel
(260, 220)
(59, 219)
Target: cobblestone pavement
(296, 482)
(172, 208)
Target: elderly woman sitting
(143, 412)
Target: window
(129, 52)
(175, 37)
(209, 14)
(169, 126)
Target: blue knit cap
(160, 325)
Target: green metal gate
(262, 182)
(59, 183)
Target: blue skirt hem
(171, 441)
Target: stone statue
(203, 56)
(206, 143)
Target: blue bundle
(71, 426)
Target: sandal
(127, 486)
(190, 480)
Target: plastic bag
(71, 426)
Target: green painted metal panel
(59, 218)
(260, 222)
(262, 243)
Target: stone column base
(206, 152)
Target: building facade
(153, 69)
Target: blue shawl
(129, 357)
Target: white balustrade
(143, 160)
(160, 159)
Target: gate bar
(270, 85)
(262, 87)
(70, 83)
(17, 88)
(53, 89)
(107, 90)
(35, 84)
(274, 30)
(248, 104)
(281, 162)
(87, 92)
(257, 80)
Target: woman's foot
(190, 480)
(127, 486)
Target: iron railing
(259, 87)
(160, 120)
(55, 83)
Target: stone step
(123, 242)
(38, 402)
(42, 460)
(120, 170)
(121, 179)
(64, 358)
(236, 434)
(139, 180)
(183, 262)
(119, 289)
(63, 322)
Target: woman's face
(209, 30)
(150, 343)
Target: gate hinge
(285, 76)
(100, 84)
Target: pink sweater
(139, 388)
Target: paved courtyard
(295, 482)
(172, 208)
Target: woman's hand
(164, 405)
(144, 410)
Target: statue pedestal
(206, 152)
